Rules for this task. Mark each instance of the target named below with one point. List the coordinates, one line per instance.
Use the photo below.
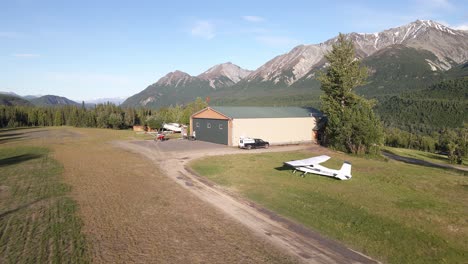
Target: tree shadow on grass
(6, 137)
(18, 159)
(2, 215)
(16, 128)
(16, 134)
(9, 139)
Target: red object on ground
(160, 137)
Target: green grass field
(422, 155)
(38, 221)
(392, 211)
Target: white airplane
(173, 127)
(311, 165)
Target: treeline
(424, 112)
(452, 142)
(433, 120)
(102, 116)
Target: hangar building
(277, 125)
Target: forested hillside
(443, 105)
(52, 100)
(459, 71)
(398, 69)
(6, 99)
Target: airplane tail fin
(345, 171)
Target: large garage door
(211, 130)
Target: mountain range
(179, 87)
(409, 57)
(10, 98)
(52, 100)
(403, 59)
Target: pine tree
(352, 125)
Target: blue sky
(93, 49)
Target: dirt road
(306, 245)
(423, 162)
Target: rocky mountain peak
(299, 61)
(449, 45)
(228, 69)
(217, 73)
(178, 74)
(174, 78)
(434, 25)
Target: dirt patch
(59, 134)
(4, 191)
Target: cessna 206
(311, 165)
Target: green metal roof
(266, 112)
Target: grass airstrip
(392, 211)
(38, 220)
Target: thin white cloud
(203, 29)
(26, 55)
(253, 18)
(277, 41)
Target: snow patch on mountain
(448, 45)
(147, 100)
(432, 65)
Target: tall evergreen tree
(352, 125)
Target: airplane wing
(308, 162)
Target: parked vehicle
(250, 143)
(160, 137)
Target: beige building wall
(275, 130)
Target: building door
(211, 130)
